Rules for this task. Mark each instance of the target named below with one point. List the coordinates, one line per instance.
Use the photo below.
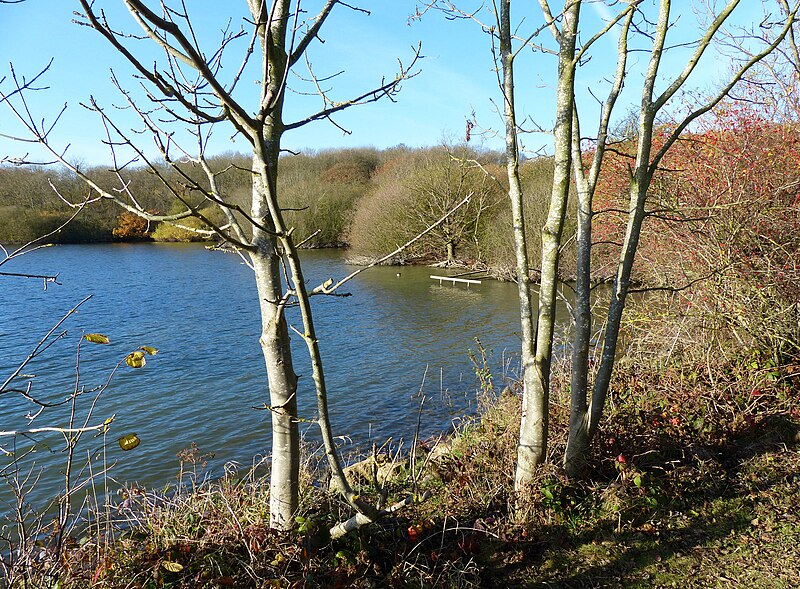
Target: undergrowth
(694, 483)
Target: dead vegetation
(694, 485)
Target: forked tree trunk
(585, 185)
(532, 449)
(585, 419)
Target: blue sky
(456, 76)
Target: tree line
(364, 199)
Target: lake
(397, 339)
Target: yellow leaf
(149, 351)
(107, 423)
(96, 338)
(173, 567)
(129, 442)
(135, 359)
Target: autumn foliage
(723, 224)
(131, 227)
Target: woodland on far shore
(724, 193)
(344, 197)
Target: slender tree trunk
(533, 430)
(639, 185)
(638, 197)
(578, 440)
(285, 473)
(275, 340)
(586, 183)
(643, 175)
(585, 419)
(531, 405)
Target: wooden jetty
(476, 277)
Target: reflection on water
(395, 339)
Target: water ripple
(200, 309)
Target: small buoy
(398, 274)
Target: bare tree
(536, 344)
(587, 410)
(434, 186)
(537, 336)
(569, 158)
(535, 405)
(564, 27)
(188, 89)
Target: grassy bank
(694, 484)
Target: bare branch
(43, 344)
(195, 60)
(704, 43)
(46, 277)
(359, 520)
(678, 130)
(627, 13)
(550, 20)
(312, 32)
(61, 430)
(385, 90)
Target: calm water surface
(394, 338)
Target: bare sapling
(587, 405)
(41, 523)
(187, 90)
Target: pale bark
(275, 346)
(532, 449)
(285, 465)
(360, 520)
(451, 252)
(533, 406)
(275, 340)
(585, 419)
